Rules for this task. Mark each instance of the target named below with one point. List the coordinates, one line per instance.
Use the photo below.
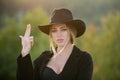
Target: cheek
(66, 35)
(53, 37)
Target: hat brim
(78, 24)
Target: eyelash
(64, 29)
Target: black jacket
(79, 66)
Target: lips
(60, 40)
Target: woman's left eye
(64, 29)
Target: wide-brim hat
(64, 16)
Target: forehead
(59, 26)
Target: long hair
(72, 32)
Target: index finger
(28, 30)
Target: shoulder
(43, 56)
(83, 55)
(87, 58)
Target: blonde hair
(72, 32)
(52, 45)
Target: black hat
(64, 16)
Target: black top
(50, 74)
(79, 66)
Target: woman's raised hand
(27, 41)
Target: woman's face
(60, 34)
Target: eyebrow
(62, 27)
(53, 28)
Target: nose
(59, 34)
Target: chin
(61, 44)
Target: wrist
(24, 52)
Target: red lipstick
(60, 40)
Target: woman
(64, 61)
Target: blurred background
(101, 40)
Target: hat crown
(61, 15)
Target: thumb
(32, 40)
